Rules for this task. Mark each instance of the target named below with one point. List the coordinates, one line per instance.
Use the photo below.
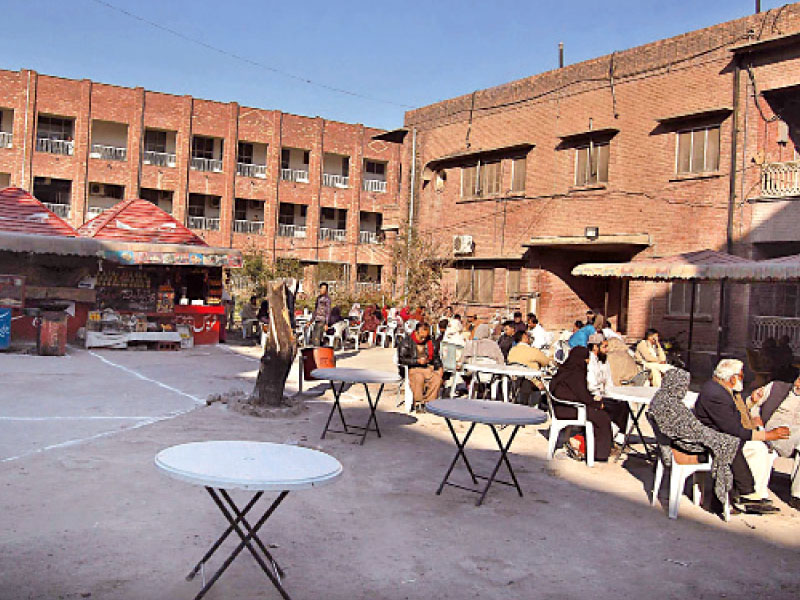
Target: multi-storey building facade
(317, 190)
(680, 145)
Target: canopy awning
(475, 153)
(706, 113)
(604, 242)
(704, 265)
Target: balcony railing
(204, 223)
(369, 237)
(108, 152)
(296, 175)
(339, 181)
(248, 226)
(6, 139)
(212, 165)
(62, 210)
(285, 230)
(55, 146)
(250, 170)
(93, 211)
(334, 235)
(375, 185)
(776, 328)
(367, 286)
(158, 159)
(781, 180)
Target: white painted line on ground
(98, 436)
(144, 378)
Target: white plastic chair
(388, 331)
(556, 425)
(408, 395)
(337, 335)
(354, 333)
(450, 354)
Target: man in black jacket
(720, 407)
(506, 341)
(418, 352)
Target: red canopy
(22, 213)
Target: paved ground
(86, 514)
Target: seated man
(775, 405)
(418, 352)
(598, 374)
(533, 358)
(720, 407)
(650, 355)
(249, 321)
(537, 333)
(581, 337)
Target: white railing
(158, 159)
(375, 185)
(339, 181)
(776, 328)
(213, 165)
(296, 175)
(6, 139)
(62, 210)
(250, 170)
(369, 237)
(204, 223)
(298, 231)
(335, 235)
(55, 146)
(779, 180)
(93, 211)
(367, 286)
(248, 226)
(108, 152)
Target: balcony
(93, 211)
(334, 235)
(248, 226)
(297, 231)
(55, 146)
(208, 223)
(62, 210)
(367, 286)
(108, 152)
(369, 237)
(296, 175)
(158, 159)
(212, 165)
(776, 328)
(6, 139)
(780, 180)
(249, 170)
(375, 185)
(338, 181)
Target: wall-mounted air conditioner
(463, 244)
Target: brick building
(643, 153)
(318, 190)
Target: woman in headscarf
(371, 319)
(569, 383)
(683, 431)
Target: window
(591, 164)
(335, 214)
(776, 300)
(375, 168)
(680, 299)
(286, 156)
(197, 205)
(306, 157)
(240, 209)
(286, 214)
(155, 141)
(482, 179)
(202, 147)
(698, 150)
(54, 128)
(475, 285)
(512, 282)
(245, 153)
(345, 166)
(518, 171)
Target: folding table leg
(373, 418)
(503, 459)
(336, 406)
(246, 539)
(460, 445)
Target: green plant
(418, 263)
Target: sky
(388, 56)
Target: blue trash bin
(5, 328)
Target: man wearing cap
(598, 373)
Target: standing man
(720, 407)
(322, 311)
(418, 352)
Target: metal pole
(413, 184)
(693, 283)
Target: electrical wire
(249, 61)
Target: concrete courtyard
(85, 514)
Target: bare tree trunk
(279, 351)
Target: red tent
(22, 213)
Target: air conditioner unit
(463, 244)
(97, 189)
(215, 203)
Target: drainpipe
(413, 184)
(722, 327)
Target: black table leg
(460, 453)
(503, 459)
(373, 418)
(336, 406)
(251, 535)
(626, 443)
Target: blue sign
(5, 328)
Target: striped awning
(705, 265)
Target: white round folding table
(493, 414)
(257, 467)
(346, 376)
(504, 372)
